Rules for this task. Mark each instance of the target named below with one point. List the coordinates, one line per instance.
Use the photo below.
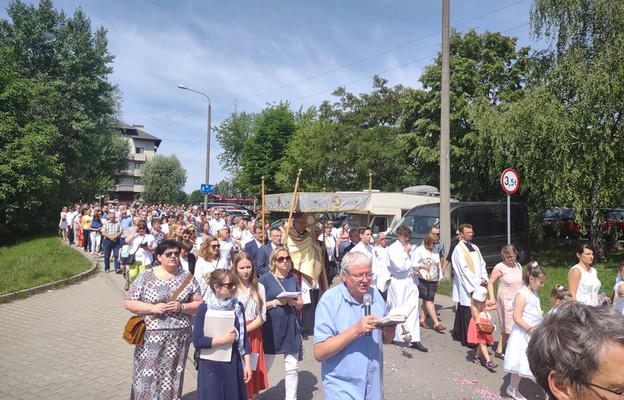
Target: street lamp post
(207, 141)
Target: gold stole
(467, 256)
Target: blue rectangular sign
(206, 188)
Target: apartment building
(141, 148)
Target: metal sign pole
(508, 219)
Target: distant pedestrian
(63, 224)
(111, 231)
(583, 278)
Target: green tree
(484, 68)
(163, 180)
(232, 135)
(263, 152)
(587, 76)
(72, 102)
(195, 197)
(349, 139)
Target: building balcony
(128, 188)
(137, 157)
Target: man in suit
(262, 256)
(254, 245)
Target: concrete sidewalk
(66, 344)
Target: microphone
(367, 300)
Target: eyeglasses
(282, 259)
(619, 393)
(142, 228)
(168, 254)
(360, 277)
(229, 285)
(215, 246)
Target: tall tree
(349, 139)
(263, 152)
(69, 64)
(232, 135)
(163, 180)
(484, 67)
(587, 76)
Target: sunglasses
(169, 254)
(215, 246)
(229, 285)
(282, 259)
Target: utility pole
(445, 131)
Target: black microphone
(367, 300)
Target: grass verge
(556, 257)
(38, 262)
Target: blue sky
(247, 53)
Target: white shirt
(464, 280)
(363, 248)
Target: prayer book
(294, 295)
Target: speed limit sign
(510, 181)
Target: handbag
(485, 328)
(131, 258)
(135, 328)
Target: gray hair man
(350, 347)
(577, 352)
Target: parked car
(565, 225)
(559, 222)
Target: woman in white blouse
(252, 294)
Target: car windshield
(420, 224)
(356, 220)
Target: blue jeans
(114, 246)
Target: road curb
(22, 294)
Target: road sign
(206, 188)
(510, 181)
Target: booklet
(218, 323)
(392, 320)
(294, 295)
(397, 315)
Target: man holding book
(352, 359)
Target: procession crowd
(257, 291)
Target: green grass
(557, 257)
(37, 262)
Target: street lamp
(207, 141)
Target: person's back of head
(573, 345)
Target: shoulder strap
(182, 286)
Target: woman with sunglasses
(209, 260)
(159, 363)
(222, 380)
(253, 296)
(281, 333)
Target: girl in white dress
(527, 315)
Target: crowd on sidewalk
(272, 286)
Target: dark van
(488, 219)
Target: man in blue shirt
(346, 342)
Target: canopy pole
(370, 196)
(263, 229)
(292, 206)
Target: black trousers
(307, 313)
(460, 327)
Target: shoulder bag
(134, 331)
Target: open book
(397, 315)
(392, 320)
(294, 295)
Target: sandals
(499, 355)
(424, 325)
(439, 327)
